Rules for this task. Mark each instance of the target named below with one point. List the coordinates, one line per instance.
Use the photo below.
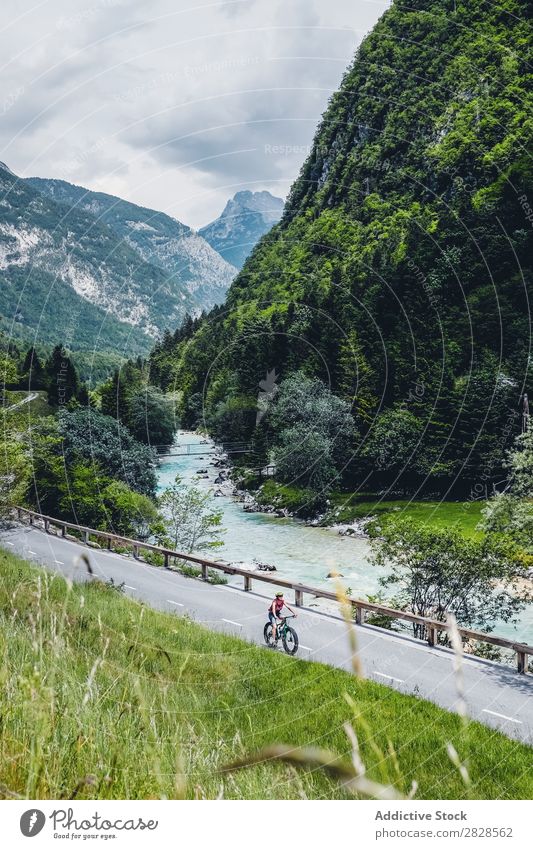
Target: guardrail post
(247, 583)
(47, 525)
(136, 552)
(109, 543)
(86, 537)
(19, 512)
(204, 571)
(359, 616)
(63, 530)
(432, 634)
(31, 518)
(166, 560)
(521, 661)
(298, 597)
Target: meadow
(103, 697)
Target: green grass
(345, 507)
(462, 515)
(102, 697)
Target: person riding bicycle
(274, 612)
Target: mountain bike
(288, 635)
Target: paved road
(31, 397)
(495, 695)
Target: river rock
(249, 503)
(357, 528)
(254, 566)
(264, 567)
(334, 574)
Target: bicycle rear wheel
(290, 641)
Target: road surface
(30, 397)
(495, 695)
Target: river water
(299, 552)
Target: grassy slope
(135, 703)
(462, 515)
(345, 507)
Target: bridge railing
(431, 627)
(193, 448)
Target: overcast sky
(173, 104)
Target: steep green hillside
(105, 698)
(401, 269)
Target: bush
(102, 440)
(439, 571)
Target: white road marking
(33, 552)
(231, 622)
(59, 562)
(502, 716)
(305, 647)
(177, 603)
(390, 677)
(12, 544)
(129, 588)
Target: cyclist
(274, 612)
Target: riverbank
(302, 550)
(353, 511)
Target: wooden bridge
(196, 448)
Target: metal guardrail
(431, 626)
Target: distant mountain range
(244, 220)
(196, 271)
(101, 273)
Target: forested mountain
(400, 272)
(243, 221)
(63, 274)
(197, 274)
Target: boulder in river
(334, 574)
(264, 567)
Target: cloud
(177, 104)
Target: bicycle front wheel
(290, 641)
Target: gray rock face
(196, 274)
(65, 272)
(244, 220)
(110, 274)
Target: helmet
(279, 595)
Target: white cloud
(175, 105)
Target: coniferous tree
(62, 377)
(34, 369)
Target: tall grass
(102, 697)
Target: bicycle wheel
(267, 633)
(290, 641)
